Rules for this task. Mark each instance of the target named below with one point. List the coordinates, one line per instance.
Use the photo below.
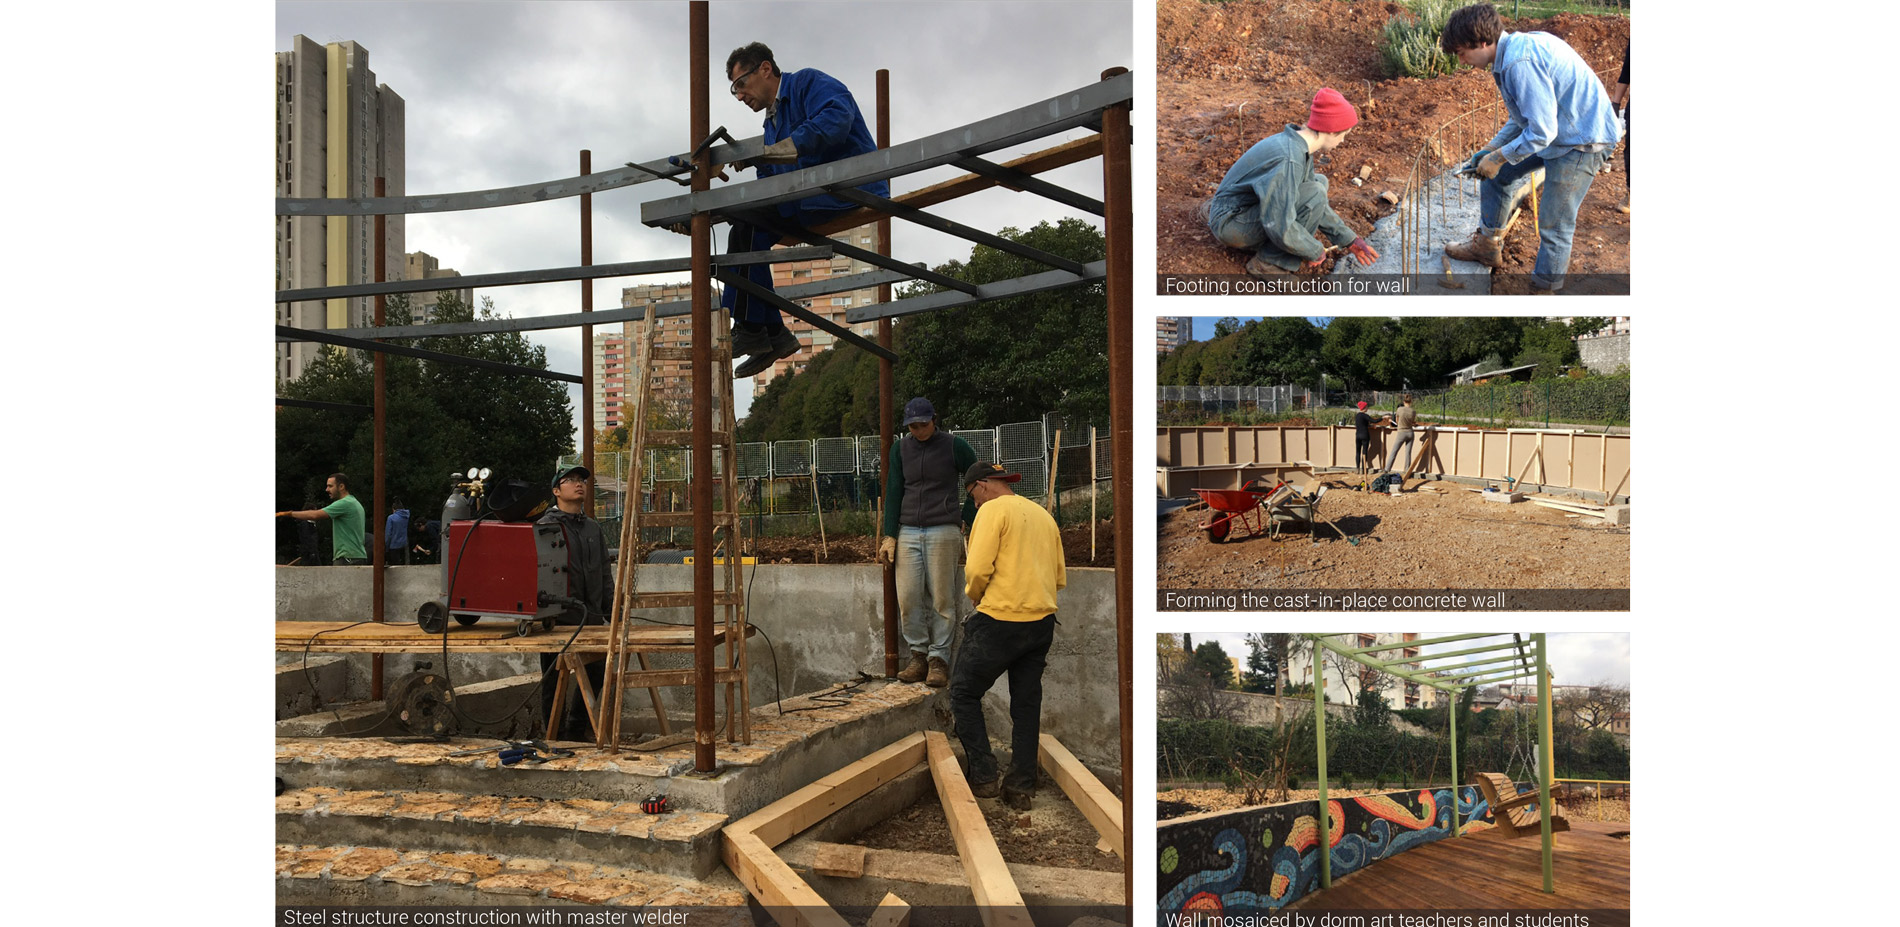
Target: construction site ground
(1051, 833)
(1234, 73)
(1176, 803)
(1420, 539)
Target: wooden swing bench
(1512, 817)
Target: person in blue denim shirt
(1271, 201)
(810, 119)
(1560, 120)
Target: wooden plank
(840, 860)
(1093, 798)
(1425, 449)
(786, 896)
(997, 899)
(647, 679)
(786, 818)
(891, 912)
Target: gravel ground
(1420, 539)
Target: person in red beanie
(1272, 202)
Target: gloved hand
(1363, 252)
(1471, 163)
(1488, 168)
(1309, 265)
(779, 152)
(887, 550)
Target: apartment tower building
(420, 265)
(337, 131)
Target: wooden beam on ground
(786, 818)
(997, 899)
(891, 912)
(1093, 798)
(1046, 160)
(786, 896)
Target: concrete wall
(824, 622)
(1255, 709)
(1604, 355)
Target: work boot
(1480, 248)
(1201, 210)
(913, 671)
(939, 673)
(784, 344)
(1265, 270)
(989, 789)
(749, 339)
(1018, 800)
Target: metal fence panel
(755, 460)
(790, 458)
(836, 455)
(1020, 441)
(870, 454)
(982, 441)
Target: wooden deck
(486, 637)
(1486, 870)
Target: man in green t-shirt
(346, 522)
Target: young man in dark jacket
(589, 580)
(923, 536)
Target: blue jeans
(742, 237)
(991, 648)
(927, 586)
(1566, 180)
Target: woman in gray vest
(923, 536)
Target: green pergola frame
(1510, 659)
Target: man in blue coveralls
(1561, 120)
(810, 118)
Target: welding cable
(317, 693)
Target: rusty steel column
(1119, 223)
(378, 564)
(587, 334)
(702, 495)
(886, 384)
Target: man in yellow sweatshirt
(1014, 570)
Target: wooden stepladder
(730, 628)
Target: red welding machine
(502, 565)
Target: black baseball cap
(566, 472)
(979, 472)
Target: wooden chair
(1510, 813)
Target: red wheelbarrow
(1261, 509)
(1251, 506)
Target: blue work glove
(1471, 163)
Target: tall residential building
(420, 265)
(1172, 332)
(1398, 692)
(832, 306)
(337, 131)
(616, 377)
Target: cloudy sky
(1575, 659)
(505, 93)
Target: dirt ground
(1177, 803)
(1418, 540)
(863, 548)
(1234, 73)
(1051, 833)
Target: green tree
(1279, 350)
(1550, 346)
(1264, 655)
(1225, 325)
(1181, 366)
(439, 418)
(1220, 362)
(1209, 664)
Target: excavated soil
(1051, 833)
(1234, 73)
(1420, 539)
